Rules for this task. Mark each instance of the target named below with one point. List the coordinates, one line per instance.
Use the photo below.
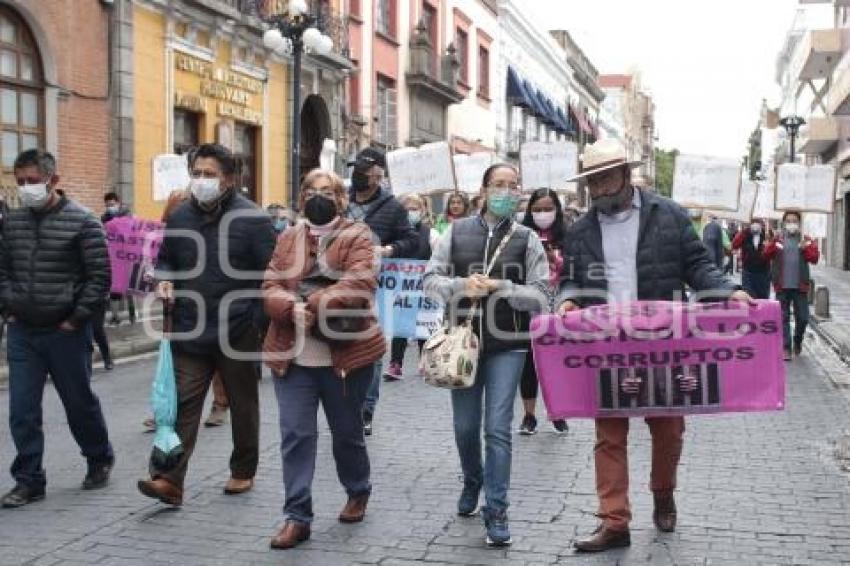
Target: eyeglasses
(326, 192)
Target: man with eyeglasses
(392, 232)
(217, 245)
(54, 276)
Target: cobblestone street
(754, 489)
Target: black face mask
(359, 181)
(320, 210)
(612, 204)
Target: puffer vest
(499, 326)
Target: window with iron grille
(384, 17)
(386, 128)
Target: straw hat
(601, 156)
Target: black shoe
(798, 349)
(528, 426)
(108, 364)
(560, 426)
(98, 475)
(367, 423)
(21, 494)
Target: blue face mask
(502, 205)
(280, 224)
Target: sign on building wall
(469, 170)
(548, 165)
(746, 203)
(170, 173)
(706, 182)
(423, 169)
(805, 188)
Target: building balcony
(818, 135)
(838, 99)
(430, 75)
(816, 55)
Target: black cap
(369, 157)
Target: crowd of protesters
(274, 281)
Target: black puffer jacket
(669, 255)
(53, 265)
(389, 223)
(247, 233)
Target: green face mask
(502, 205)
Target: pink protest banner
(133, 245)
(661, 358)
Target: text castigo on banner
(661, 358)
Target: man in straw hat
(632, 245)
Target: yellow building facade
(198, 79)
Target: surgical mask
(112, 209)
(205, 190)
(612, 204)
(414, 216)
(755, 228)
(33, 196)
(280, 225)
(544, 220)
(792, 227)
(501, 205)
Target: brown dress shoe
(664, 514)
(604, 539)
(235, 486)
(163, 490)
(355, 510)
(290, 535)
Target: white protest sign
(427, 168)
(763, 207)
(548, 165)
(814, 224)
(170, 173)
(803, 188)
(469, 170)
(746, 203)
(706, 182)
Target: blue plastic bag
(167, 447)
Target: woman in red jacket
(752, 242)
(791, 253)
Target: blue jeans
(799, 301)
(299, 392)
(495, 389)
(32, 354)
(756, 284)
(374, 388)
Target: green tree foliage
(664, 163)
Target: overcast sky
(707, 63)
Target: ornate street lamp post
(792, 126)
(292, 32)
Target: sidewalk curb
(842, 350)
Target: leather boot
(604, 539)
(161, 489)
(292, 533)
(664, 514)
(355, 510)
(236, 487)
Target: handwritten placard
(701, 181)
(805, 188)
(426, 168)
(469, 170)
(548, 165)
(170, 173)
(764, 206)
(746, 203)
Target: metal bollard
(822, 302)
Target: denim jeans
(32, 354)
(756, 284)
(299, 393)
(371, 401)
(494, 390)
(799, 301)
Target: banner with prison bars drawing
(661, 358)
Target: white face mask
(519, 215)
(205, 190)
(755, 228)
(33, 196)
(792, 227)
(544, 220)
